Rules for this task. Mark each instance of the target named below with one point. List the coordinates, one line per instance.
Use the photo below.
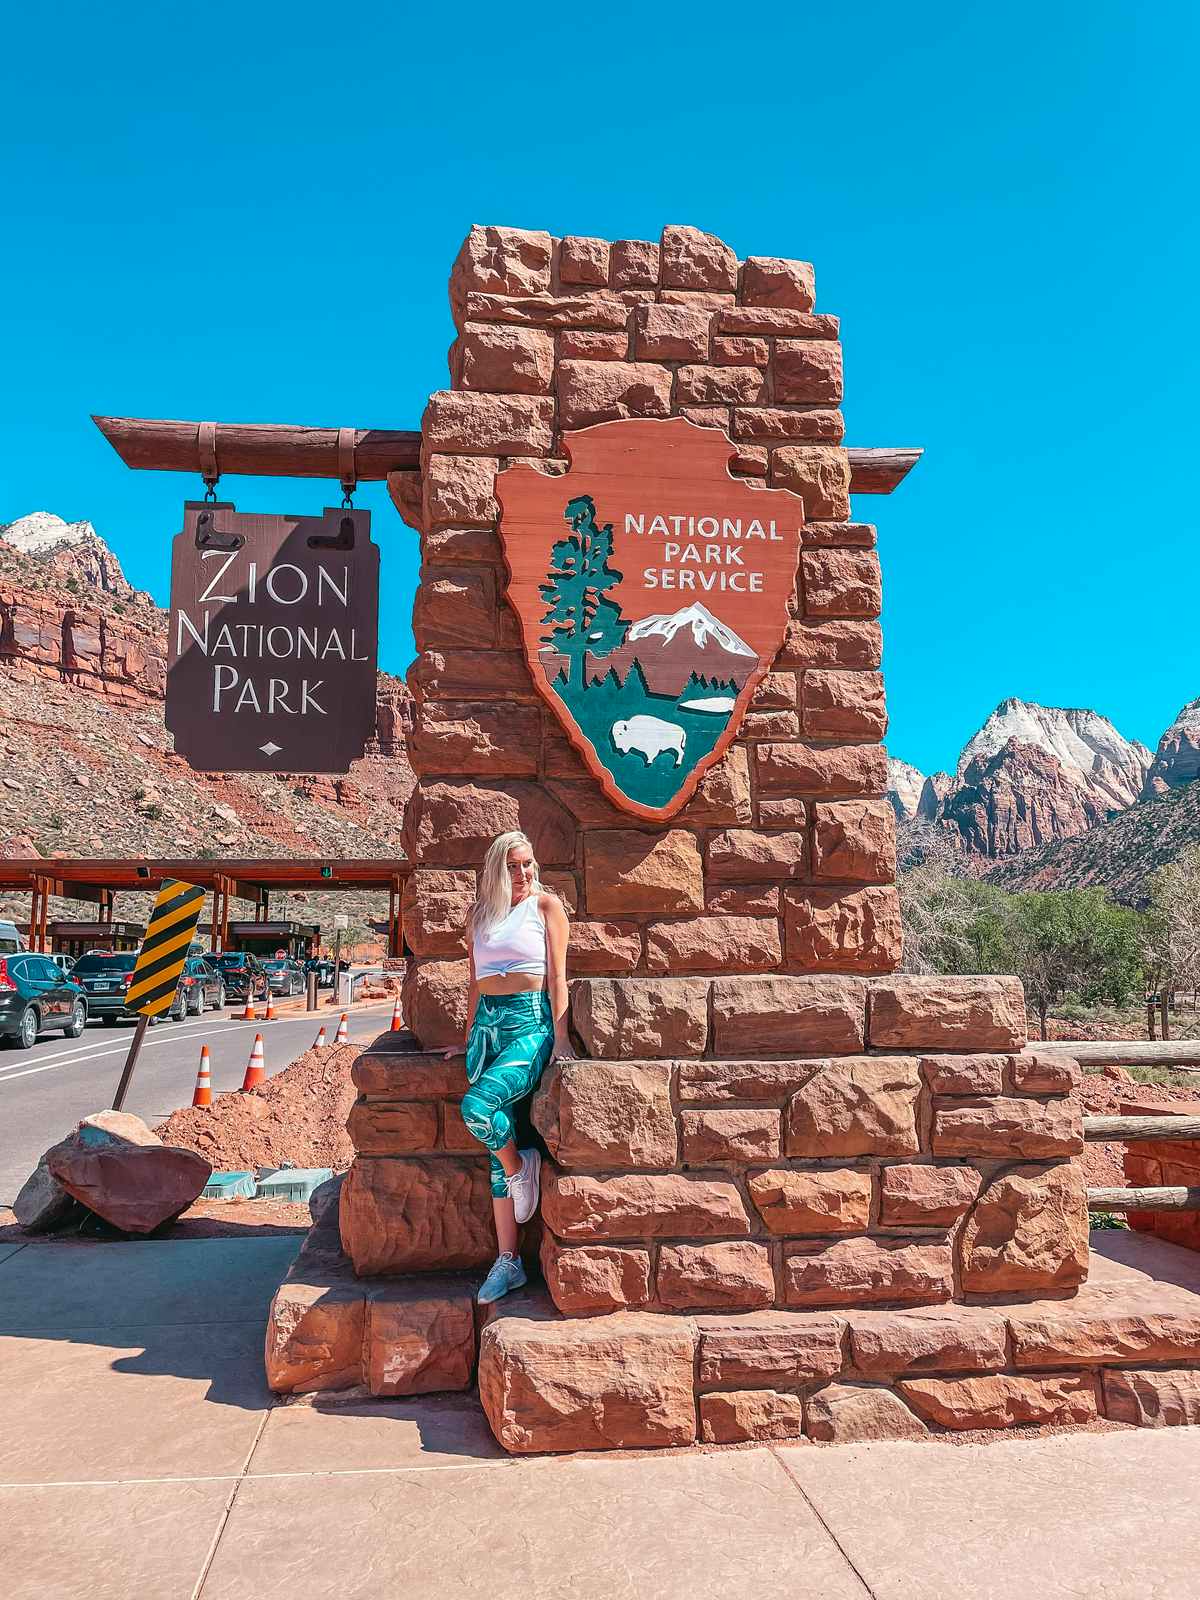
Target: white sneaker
(506, 1275)
(524, 1187)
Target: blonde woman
(516, 1022)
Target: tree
(951, 924)
(1075, 941)
(584, 621)
(1171, 931)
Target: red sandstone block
(462, 544)
(950, 1075)
(789, 813)
(854, 841)
(454, 606)
(315, 1332)
(788, 1015)
(420, 1336)
(773, 281)
(953, 1013)
(433, 997)
(808, 371)
(695, 260)
(819, 474)
(771, 725)
(1028, 1232)
(860, 535)
(740, 1417)
(735, 1274)
(590, 1280)
(853, 1413)
(717, 1081)
(671, 333)
(792, 1201)
(706, 385)
(608, 1114)
(511, 360)
(841, 583)
(850, 644)
(505, 261)
(843, 705)
(599, 949)
(777, 320)
(458, 490)
(952, 1338)
(856, 1106)
(927, 1197)
(471, 675)
(707, 416)
(1007, 1128)
(634, 262)
(1153, 1399)
(713, 944)
(840, 930)
(821, 770)
(644, 873)
(583, 261)
(774, 425)
(740, 352)
(601, 391)
(1000, 1400)
(600, 1383)
(379, 1129)
(710, 1136)
(602, 311)
(455, 1136)
(484, 737)
(743, 900)
(777, 691)
(749, 855)
(641, 1017)
(489, 424)
(769, 1347)
(1032, 1073)
(415, 1075)
(633, 1206)
(574, 345)
(434, 907)
(750, 462)
(860, 1270)
(417, 1214)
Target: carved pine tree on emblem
(584, 621)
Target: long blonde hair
(495, 886)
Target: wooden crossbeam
(1135, 1130)
(279, 450)
(1149, 1199)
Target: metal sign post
(160, 961)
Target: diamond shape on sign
(270, 748)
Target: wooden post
(1150, 1033)
(1164, 1004)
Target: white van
(10, 940)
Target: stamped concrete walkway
(142, 1458)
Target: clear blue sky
(249, 213)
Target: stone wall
(876, 1172)
(784, 860)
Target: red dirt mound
(299, 1116)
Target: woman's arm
(558, 932)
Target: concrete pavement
(45, 1091)
(142, 1458)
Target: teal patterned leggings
(511, 1039)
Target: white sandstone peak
(1087, 745)
(41, 533)
(905, 784)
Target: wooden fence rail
(1155, 1199)
(1134, 1130)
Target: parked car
(64, 963)
(202, 985)
(105, 976)
(10, 939)
(285, 977)
(35, 996)
(242, 973)
(323, 969)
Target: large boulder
(135, 1187)
(43, 1202)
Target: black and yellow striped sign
(165, 948)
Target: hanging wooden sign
(274, 633)
(652, 590)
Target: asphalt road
(45, 1091)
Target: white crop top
(517, 943)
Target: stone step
(1127, 1347)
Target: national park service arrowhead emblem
(652, 590)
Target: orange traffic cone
(396, 1023)
(203, 1094)
(342, 1036)
(320, 1041)
(256, 1067)
(248, 1014)
(270, 1016)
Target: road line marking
(81, 1058)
